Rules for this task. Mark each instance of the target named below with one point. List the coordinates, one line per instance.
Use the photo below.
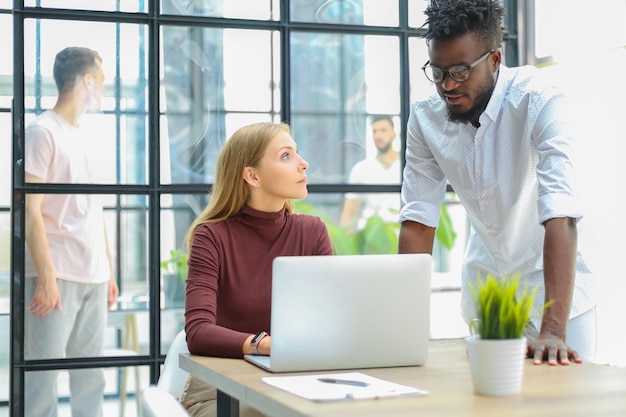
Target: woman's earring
(257, 185)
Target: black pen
(343, 382)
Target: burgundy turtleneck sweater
(230, 275)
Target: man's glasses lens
(458, 73)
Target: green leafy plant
(176, 264)
(445, 233)
(378, 236)
(501, 313)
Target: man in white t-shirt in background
(69, 276)
(383, 168)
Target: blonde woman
(247, 223)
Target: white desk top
(577, 390)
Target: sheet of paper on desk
(311, 388)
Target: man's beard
(482, 99)
(385, 149)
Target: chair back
(173, 378)
(157, 402)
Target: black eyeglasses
(458, 73)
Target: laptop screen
(350, 311)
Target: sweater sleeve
(238, 278)
(204, 336)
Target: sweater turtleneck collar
(263, 218)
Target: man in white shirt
(501, 137)
(383, 168)
(69, 275)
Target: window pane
(106, 5)
(125, 219)
(5, 160)
(127, 233)
(237, 9)
(246, 90)
(337, 80)
(127, 229)
(377, 236)
(210, 75)
(172, 322)
(417, 18)
(177, 213)
(118, 138)
(382, 82)
(5, 260)
(5, 326)
(6, 63)
(354, 12)
(418, 55)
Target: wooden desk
(577, 390)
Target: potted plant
(174, 276)
(497, 347)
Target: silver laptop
(348, 312)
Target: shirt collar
(499, 93)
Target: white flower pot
(496, 365)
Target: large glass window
(136, 6)
(182, 76)
(347, 12)
(234, 9)
(117, 134)
(336, 81)
(215, 81)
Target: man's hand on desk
(551, 348)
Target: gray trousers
(78, 330)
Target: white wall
(597, 89)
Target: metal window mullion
(154, 204)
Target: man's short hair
(380, 117)
(71, 62)
(449, 19)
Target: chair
(173, 378)
(157, 402)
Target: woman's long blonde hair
(230, 192)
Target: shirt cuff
(425, 213)
(552, 206)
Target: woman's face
(280, 175)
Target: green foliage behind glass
(176, 264)
(377, 237)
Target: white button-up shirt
(513, 173)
